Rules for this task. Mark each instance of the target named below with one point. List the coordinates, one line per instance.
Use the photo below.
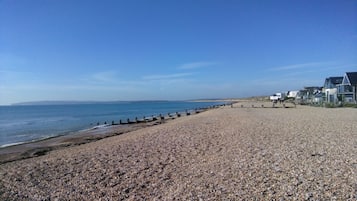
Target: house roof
(352, 77)
(334, 80)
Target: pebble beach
(229, 153)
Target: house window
(347, 88)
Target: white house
(292, 94)
(330, 89)
(347, 89)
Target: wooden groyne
(161, 118)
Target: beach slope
(301, 153)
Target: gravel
(240, 153)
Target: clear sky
(171, 49)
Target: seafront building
(341, 89)
(337, 90)
(348, 87)
(330, 89)
(308, 95)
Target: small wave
(99, 126)
(29, 141)
(11, 144)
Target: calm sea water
(20, 124)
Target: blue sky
(172, 50)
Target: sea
(27, 123)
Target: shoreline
(11, 137)
(42, 147)
(4, 146)
(39, 147)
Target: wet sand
(42, 147)
(245, 152)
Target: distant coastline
(80, 102)
(69, 102)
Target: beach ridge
(302, 153)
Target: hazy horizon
(53, 102)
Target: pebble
(302, 153)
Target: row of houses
(336, 90)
